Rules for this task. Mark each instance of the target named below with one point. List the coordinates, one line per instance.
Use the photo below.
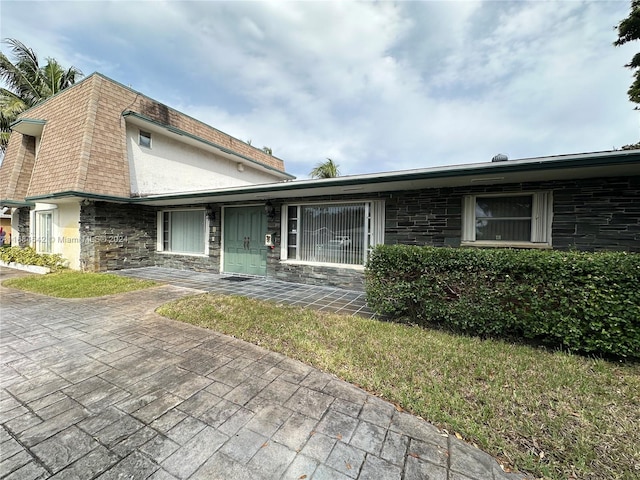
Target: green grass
(551, 414)
(69, 284)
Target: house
(102, 139)
(114, 180)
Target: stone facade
(594, 214)
(589, 215)
(24, 228)
(117, 236)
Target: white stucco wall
(65, 230)
(68, 233)
(170, 166)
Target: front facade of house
(320, 232)
(144, 185)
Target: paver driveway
(105, 388)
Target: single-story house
(112, 179)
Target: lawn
(551, 414)
(70, 284)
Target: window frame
(161, 241)
(38, 237)
(373, 225)
(541, 220)
(147, 136)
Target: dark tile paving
(105, 389)
(327, 299)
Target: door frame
(222, 233)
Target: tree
(28, 83)
(328, 169)
(629, 30)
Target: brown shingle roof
(83, 143)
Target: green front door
(244, 249)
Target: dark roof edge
(88, 196)
(511, 166)
(5, 202)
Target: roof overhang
(528, 170)
(566, 167)
(185, 137)
(28, 126)
(15, 203)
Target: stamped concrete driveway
(105, 388)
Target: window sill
(324, 264)
(497, 244)
(163, 252)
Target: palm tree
(28, 83)
(328, 169)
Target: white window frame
(541, 220)
(38, 237)
(374, 226)
(160, 232)
(146, 135)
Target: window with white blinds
(515, 219)
(44, 232)
(339, 233)
(182, 231)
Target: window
(332, 233)
(519, 219)
(44, 232)
(182, 231)
(144, 139)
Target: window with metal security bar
(337, 233)
(182, 231)
(518, 219)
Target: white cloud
(375, 86)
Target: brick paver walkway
(105, 388)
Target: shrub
(585, 302)
(28, 256)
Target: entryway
(244, 249)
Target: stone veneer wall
(24, 229)
(590, 215)
(593, 214)
(116, 236)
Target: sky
(375, 86)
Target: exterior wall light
(270, 210)
(211, 213)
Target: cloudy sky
(374, 86)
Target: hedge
(583, 302)
(28, 256)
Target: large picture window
(508, 219)
(182, 231)
(339, 233)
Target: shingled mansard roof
(82, 142)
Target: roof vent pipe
(501, 157)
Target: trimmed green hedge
(28, 256)
(584, 302)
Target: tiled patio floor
(327, 299)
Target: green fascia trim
(501, 167)
(15, 203)
(130, 113)
(88, 196)
(30, 121)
